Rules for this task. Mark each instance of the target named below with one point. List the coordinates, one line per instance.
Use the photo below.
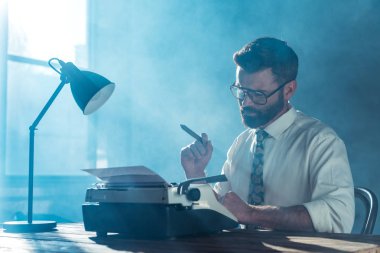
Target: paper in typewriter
(128, 176)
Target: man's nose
(246, 101)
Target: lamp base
(26, 227)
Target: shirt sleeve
(332, 206)
(222, 188)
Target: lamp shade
(90, 90)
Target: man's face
(254, 115)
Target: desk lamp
(90, 91)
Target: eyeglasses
(257, 97)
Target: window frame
(5, 58)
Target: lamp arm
(48, 104)
(32, 128)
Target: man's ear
(290, 89)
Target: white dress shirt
(305, 163)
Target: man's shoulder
(305, 124)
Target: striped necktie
(256, 188)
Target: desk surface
(72, 238)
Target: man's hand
(195, 157)
(294, 218)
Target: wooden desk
(72, 238)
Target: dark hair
(271, 53)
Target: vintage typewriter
(138, 203)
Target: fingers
(204, 138)
(194, 151)
(208, 148)
(201, 149)
(198, 153)
(186, 152)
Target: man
(287, 170)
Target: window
(37, 31)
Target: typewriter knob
(193, 194)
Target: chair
(369, 200)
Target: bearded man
(287, 170)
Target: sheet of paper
(131, 175)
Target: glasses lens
(237, 92)
(257, 97)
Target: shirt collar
(276, 128)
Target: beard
(254, 118)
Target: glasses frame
(247, 91)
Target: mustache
(248, 110)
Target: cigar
(191, 132)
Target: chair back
(369, 200)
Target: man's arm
(283, 218)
